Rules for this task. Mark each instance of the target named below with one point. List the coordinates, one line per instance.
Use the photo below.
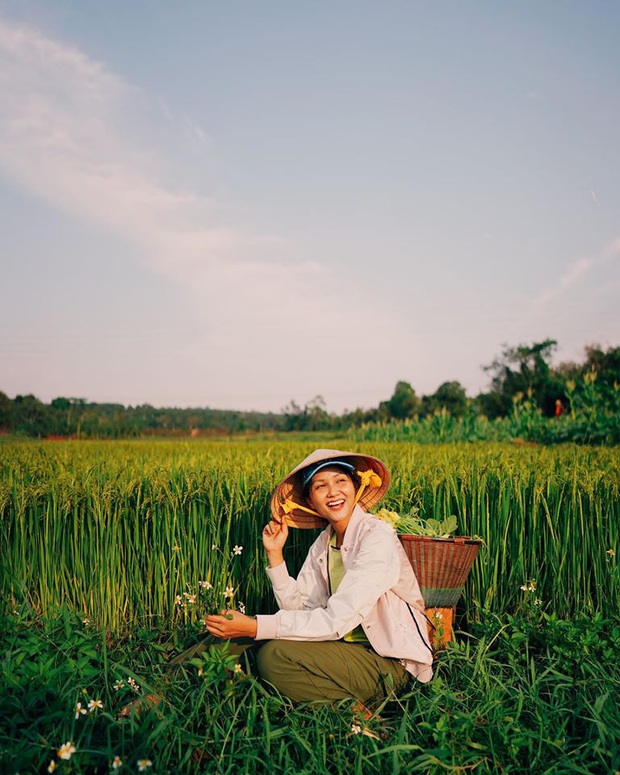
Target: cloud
(73, 134)
(575, 273)
(63, 138)
(569, 278)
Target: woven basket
(441, 566)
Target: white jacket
(378, 584)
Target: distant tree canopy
(604, 364)
(403, 404)
(6, 410)
(313, 416)
(524, 371)
(77, 418)
(449, 397)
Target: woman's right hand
(274, 538)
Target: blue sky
(238, 204)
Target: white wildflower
(66, 750)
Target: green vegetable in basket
(412, 524)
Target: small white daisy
(66, 750)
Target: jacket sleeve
(374, 571)
(309, 589)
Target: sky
(242, 204)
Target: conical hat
(288, 501)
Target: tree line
(518, 373)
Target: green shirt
(336, 573)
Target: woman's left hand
(231, 624)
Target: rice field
(100, 542)
(117, 531)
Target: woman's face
(332, 495)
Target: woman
(352, 624)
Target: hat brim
(291, 487)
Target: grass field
(100, 541)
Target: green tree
(317, 414)
(404, 402)
(313, 416)
(6, 411)
(525, 370)
(452, 397)
(31, 416)
(66, 413)
(294, 417)
(604, 363)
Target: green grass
(525, 694)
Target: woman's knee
(272, 661)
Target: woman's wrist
(275, 557)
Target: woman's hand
(274, 538)
(231, 624)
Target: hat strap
(368, 478)
(290, 505)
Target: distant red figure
(559, 408)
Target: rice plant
(117, 531)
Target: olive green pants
(307, 671)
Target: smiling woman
(352, 623)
